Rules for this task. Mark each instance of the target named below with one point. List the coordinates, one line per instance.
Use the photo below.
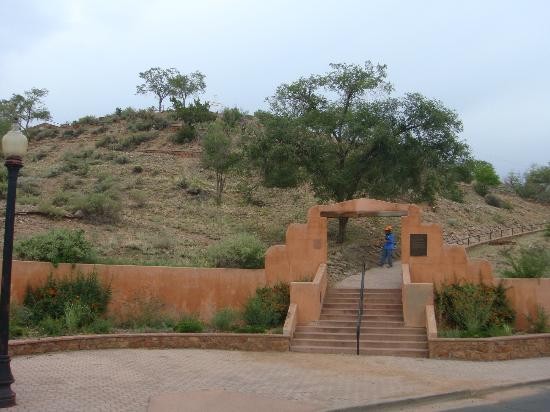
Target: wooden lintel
(384, 213)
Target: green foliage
(485, 173)
(184, 85)
(51, 327)
(219, 154)
(145, 313)
(75, 300)
(532, 262)
(99, 325)
(56, 246)
(249, 329)
(238, 251)
(226, 320)
(25, 108)
(195, 113)
(50, 210)
(3, 182)
(184, 135)
(494, 200)
(268, 308)
(535, 184)
(474, 310)
(547, 230)
(232, 117)
(189, 324)
(481, 189)
(126, 143)
(540, 323)
(86, 120)
(350, 136)
(156, 81)
(102, 207)
(148, 121)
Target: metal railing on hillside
(360, 309)
(493, 234)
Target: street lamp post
(14, 146)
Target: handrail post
(360, 309)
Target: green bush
(189, 324)
(99, 325)
(239, 251)
(226, 320)
(91, 120)
(474, 310)
(126, 143)
(184, 135)
(76, 301)
(495, 201)
(485, 173)
(481, 189)
(232, 116)
(55, 246)
(268, 307)
(547, 230)
(533, 262)
(540, 322)
(50, 210)
(51, 327)
(104, 207)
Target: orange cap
(388, 228)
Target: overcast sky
(487, 60)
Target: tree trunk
(342, 223)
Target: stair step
(403, 330)
(357, 290)
(366, 311)
(363, 344)
(364, 323)
(396, 306)
(364, 336)
(417, 353)
(364, 318)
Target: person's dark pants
(387, 255)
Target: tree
(485, 173)
(219, 154)
(184, 85)
(156, 81)
(351, 137)
(25, 108)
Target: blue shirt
(390, 242)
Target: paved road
(127, 380)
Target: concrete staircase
(382, 328)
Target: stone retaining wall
(227, 341)
(490, 349)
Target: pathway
(127, 379)
(375, 278)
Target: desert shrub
(99, 130)
(29, 186)
(28, 200)
(91, 120)
(481, 189)
(182, 183)
(189, 324)
(232, 117)
(547, 230)
(103, 207)
(472, 309)
(55, 246)
(77, 163)
(540, 322)
(126, 114)
(51, 327)
(495, 201)
(68, 134)
(139, 198)
(20, 320)
(144, 313)
(140, 125)
(45, 134)
(226, 319)
(99, 325)
(535, 183)
(268, 307)
(532, 262)
(36, 157)
(126, 143)
(105, 183)
(184, 135)
(485, 173)
(75, 300)
(239, 251)
(137, 169)
(48, 209)
(121, 160)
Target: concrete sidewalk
(133, 380)
(375, 278)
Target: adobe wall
(525, 295)
(443, 263)
(304, 250)
(309, 296)
(181, 290)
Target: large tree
(156, 81)
(182, 86)
(25, 108)
(351, 137)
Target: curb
(448, 396)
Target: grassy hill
(142, 199)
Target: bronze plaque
(419, 245)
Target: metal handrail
(494, 234)
(360, 309)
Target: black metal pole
(7, 396)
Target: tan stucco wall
(188, 290)
(525, 295)
(304, 250)
(415, 297)
(309, 296)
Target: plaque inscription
(419, 244)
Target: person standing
(388, 247)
